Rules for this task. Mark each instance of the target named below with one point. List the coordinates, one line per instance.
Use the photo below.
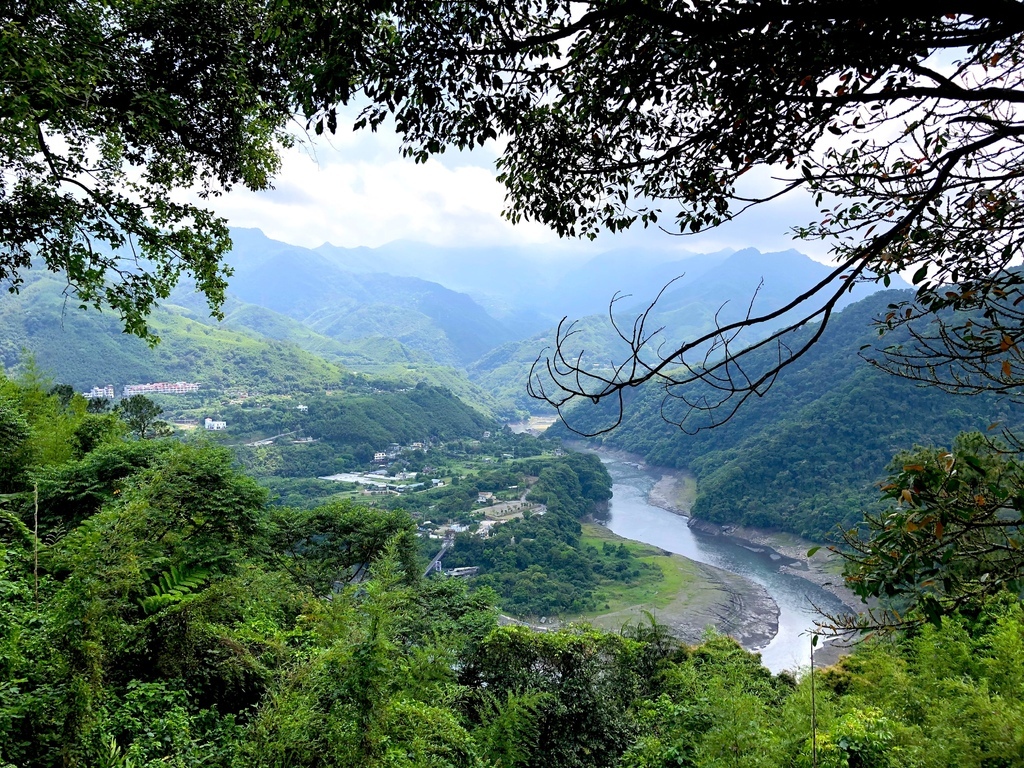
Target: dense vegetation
(810, 456)
(156, 609)
(377, 356)
(254, 348)
(160, 613)
(350, 426)
(86, 349)
(538, 565)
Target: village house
(160, 388)
(96, 392)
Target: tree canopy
(111, 108)
(899, 121)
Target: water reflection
(630, 516)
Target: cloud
(355, 189)
(362, 192)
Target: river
(632, 517)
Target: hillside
(807, 456)
(379, 357)
(87, 349)
(166, 615)
(300, 283)
(714, 284)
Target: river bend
(632, 517)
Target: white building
(161, 388)
(214, 425)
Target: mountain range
(373, 311)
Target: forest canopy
(159, 613)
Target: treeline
(807, 457)
(158, 613)
(537, 565)
(349, 427)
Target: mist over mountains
(470, 319)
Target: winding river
(632, 517)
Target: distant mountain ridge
(355, 294)
(345, 305)
(371, 310)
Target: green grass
(678, 575)
(687, 491)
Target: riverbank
(824, 568)
(676, 491)
(690, 597)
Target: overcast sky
(355, 189)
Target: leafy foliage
(949, 536)
(172, 586)
(178, 620)
(336, 544)
(140, 414)
(112, 107)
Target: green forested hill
(376, 356)
(350, 426)
(809, 454)
(86, 349)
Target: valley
(511, 384)
(350, 376)
(354, 427)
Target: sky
(355, 189)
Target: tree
(140, 414)
(97, 405)
(899, 121)
(14, 434)
(337, 543)
(112, 107)
(951, 537)
(64, 393)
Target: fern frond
(172, 586)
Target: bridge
(435, 564)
